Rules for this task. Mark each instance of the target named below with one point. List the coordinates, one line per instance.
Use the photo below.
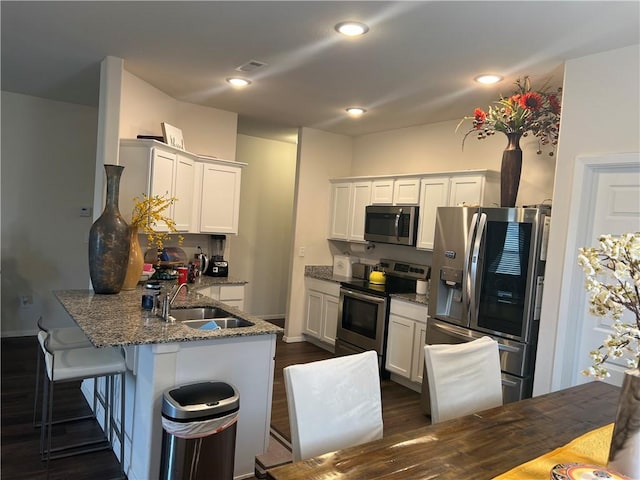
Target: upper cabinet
(477, 188)
(350, 196)
(220, 198)
(348, 202)
(207, 191)
(398, 191)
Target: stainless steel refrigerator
(487, 275)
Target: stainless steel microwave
(396, 224)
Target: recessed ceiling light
(352, 29)
(238, 81)
(488, 78)
(355, 111)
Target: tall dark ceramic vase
(510, 171)
(109, 239)
(624, 454)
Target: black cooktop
(400, 278)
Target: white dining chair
(463, 378)
(333, 404)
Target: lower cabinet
(406, 340)
(232, 295)
(321, 311)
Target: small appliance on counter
(218, 266)
(361, 270)
(343, 265)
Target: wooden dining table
(479, 446)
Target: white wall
(601, 114)
(205, 130)
(48, 163)
(437, 147)
(321, 156)
(262, 249)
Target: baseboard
(405, 382)
(288, 339)
(319, 343)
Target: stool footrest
(68, 420)
(78, 449)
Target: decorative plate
(580, 471)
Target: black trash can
(199, 431)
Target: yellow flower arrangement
(148, 212)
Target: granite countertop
(118, 320)
(323, 272)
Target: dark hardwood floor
(20, 441)
(20, 459)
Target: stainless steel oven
(361, 320)
(363, 311)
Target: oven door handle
(362, 296)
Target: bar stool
(78, 364)
(63, 338)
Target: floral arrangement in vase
(612, 274)
(527, 110)
(148, 212)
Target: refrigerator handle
(397, 225)
(466, 279)
(473, 294)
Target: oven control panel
(404, 269)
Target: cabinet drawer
(410, 310)
(231, 292)
(323, 286)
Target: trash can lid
(197, 401)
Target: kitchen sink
(198, 317)
(198, 313)
(229, 322)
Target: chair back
(333, 404)
(463, 378)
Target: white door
(616, 210)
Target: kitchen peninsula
(161, 355)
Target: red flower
(531, 101)
(555, 104)
(479, 118)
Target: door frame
(573, 296)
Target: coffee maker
(218, 266)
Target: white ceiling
(415, 65)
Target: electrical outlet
(26, 301)
(301, 252)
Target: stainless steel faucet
(168, 300)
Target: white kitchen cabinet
(151, 169)
(382, 192)
(477, 188)
(348, 204)
(207, 190)
(321, 311)
(406, 340)
(232, 295)
(399, 191)
(219, 200)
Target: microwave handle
(397, 225)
